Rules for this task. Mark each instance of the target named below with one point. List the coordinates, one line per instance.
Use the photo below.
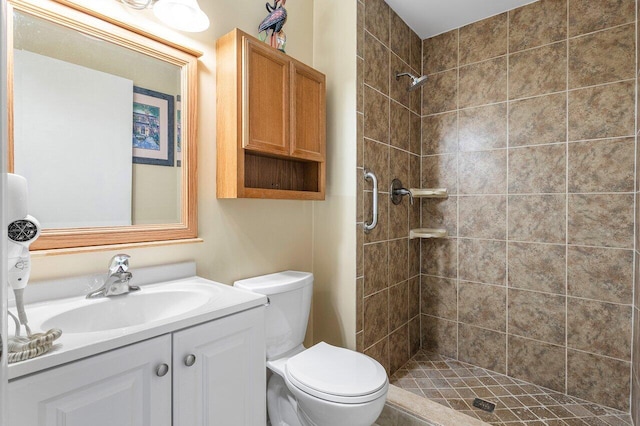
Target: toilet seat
(336, 374)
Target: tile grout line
(457, 192)
(506, 266)
(566, 213)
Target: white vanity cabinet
(226, 384)
(215, 377)
(119, 387)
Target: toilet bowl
(324, 385)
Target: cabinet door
(117, 388)
(265, 99)
(226, 384)
(308, 116)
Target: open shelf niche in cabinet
(271, 131)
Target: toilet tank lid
(279, 282)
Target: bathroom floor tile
(456, 384)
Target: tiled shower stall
(528, 118)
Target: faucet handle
(119, 264)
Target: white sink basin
(171, 298)
(148, 305)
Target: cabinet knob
(162, 370)
(189, 360)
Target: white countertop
(69, 347)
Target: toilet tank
(289, 294)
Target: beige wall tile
(376, 115)
(537, 169)
(399, 220)
(539, 120)
(546, 311)
(414, 296)
(377, 19)
(376, 264)
(415, 141)
(597, 378)
(414, 336)
(399, 37)
(398, 261)
(591, 15)
(482, 305)
(484, 348)
(360, 86)
(602, 57)
(599, 327)
(441, 52)
(538, 71)
(398, 86)
(483, 83)
(399, 347)
(440, 171)
(539, 267)
(602, 166)
(537, 218)
(440, 93)
(376, 317)
(482, 261)
(440, 257)
(399, 167)
(398, 305)
(440, 133)
(483, 128)
(380, 352)
(414, 257)
(602, 111)
(359, 196)
(415, 47)
(601, 274)
(376, 160)
(400, 122)
(376, 64)
(482, 217)
(439, 297)
(541, 22)
(439, 335)
(601, 220)
(440, 214)
(359, 251)
(484, 39)
(359, 304)
(483, 172)
(537, 362)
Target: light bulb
(183, 15)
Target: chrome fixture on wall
(416, 82)
(374, 221)
(183, 15)
(397, 191)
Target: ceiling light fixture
(183, 15)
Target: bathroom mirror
(102, 123)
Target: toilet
(321, 386)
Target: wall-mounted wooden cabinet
(271, 110)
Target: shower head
(416, 82)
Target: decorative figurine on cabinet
(274, 22)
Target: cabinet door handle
(189, 360)
(162, 370)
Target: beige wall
(334, 260)
(241, 237)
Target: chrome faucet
(117, 281)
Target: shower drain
(484, 405)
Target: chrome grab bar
(374, 221)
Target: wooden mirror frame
(78, 18)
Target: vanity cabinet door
(117, 388)
(219, 372)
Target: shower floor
(456, 384)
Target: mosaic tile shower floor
(456, 384)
